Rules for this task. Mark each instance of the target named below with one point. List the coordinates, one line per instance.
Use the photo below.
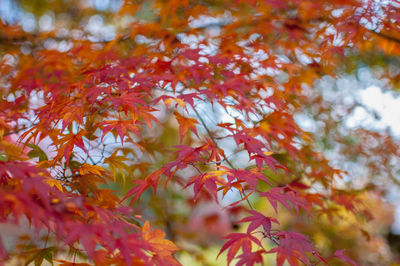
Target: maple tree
(189, 105)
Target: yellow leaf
(91, 169)
(168, 101)
(268, 153)
(12, 151)
(116, 163)
(54, 183)
(44, 164)
(180, 102)
(265, 126)
(217, 175)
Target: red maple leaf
(237, 241)
(288, 197)
(258, 219)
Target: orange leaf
(162, 247)
(91, 169)
(185, 123)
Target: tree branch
(216, 145)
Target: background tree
(188, 114)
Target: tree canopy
(149, 132)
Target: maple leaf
(116, 163)
(209, 180)
(340, 254)
(91, 169)
(293, 247)
(54, 183)
(128, 101)
(137, 191)
(67, 144)
(289, 198)
(255, 150)
(142, 185)
(250, 258)
(37, 152)
(162, 247)
(185, 123)
(257, 219)
(168, 101)
(41, 254)
(237, 241)
(188, 98)
(291, 255)
(250, 177)
(120, 127)
(70, 114)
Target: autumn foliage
(179, 130)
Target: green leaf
(37, 152)
(40, 255)
(38, 261)
(3, 158)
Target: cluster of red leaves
(31, 193)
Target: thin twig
(225, 158)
